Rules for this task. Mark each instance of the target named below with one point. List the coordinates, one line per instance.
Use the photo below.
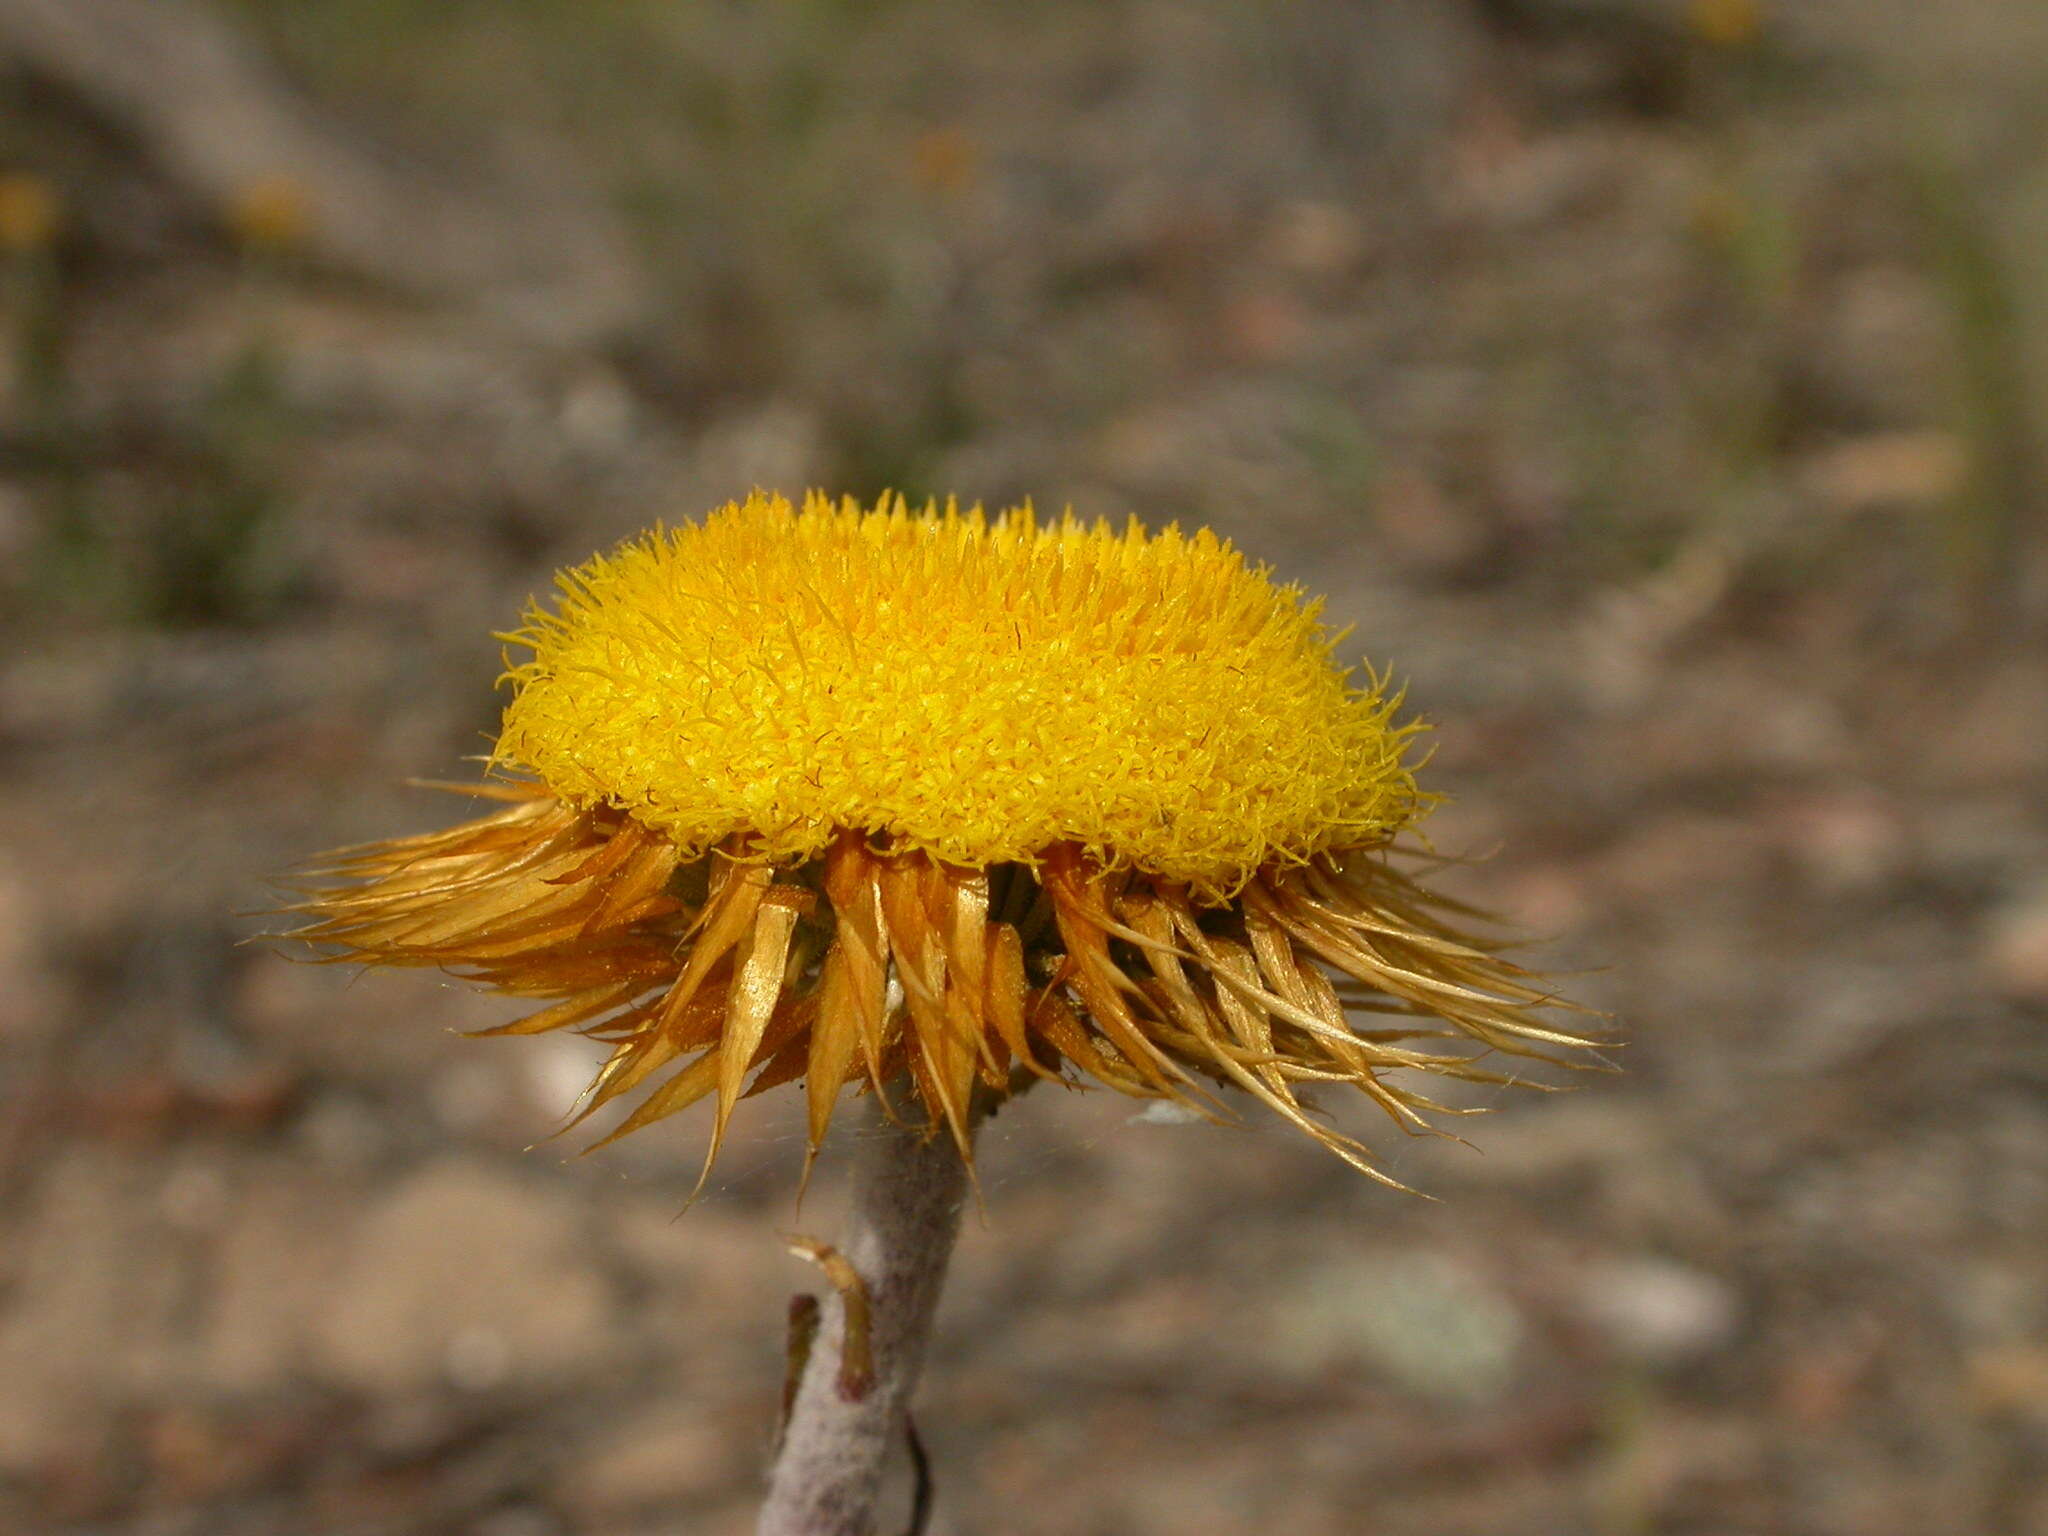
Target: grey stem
(908, 1193)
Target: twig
(921, 1466)
(856, 1357)
(803, 1333)
(908, 1192)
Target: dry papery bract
(726, 974)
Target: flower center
(977, 689)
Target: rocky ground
(1653, 386)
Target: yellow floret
(978, 689)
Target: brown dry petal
(759, 974)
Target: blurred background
(1656, 385)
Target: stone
(275, 1266)
(1994, 733)
(466, 1276)
(1315, 239)
(1844, 841)
(29, 992)
(1886, 469)
(706, 1264)
(1657, 1311)
(2015, 952)
(91, 1300)
(668, 1454)
(1427, 1324)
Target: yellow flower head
(978, 691)
(877, 796)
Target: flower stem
(908, 1192)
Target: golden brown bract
(725, 974)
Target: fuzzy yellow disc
(977, 688)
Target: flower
(1727, 23)
(30, 213)
(875, 797)
(272, 214)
